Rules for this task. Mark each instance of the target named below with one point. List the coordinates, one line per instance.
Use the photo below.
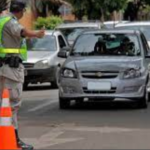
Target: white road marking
(41, 106)
(50, 139)
(103, 129)
(100, 129)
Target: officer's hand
(40, 33)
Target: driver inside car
(126, 47)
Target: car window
(107, 44)
(47, 43)
(61, 42)
(72, 33)
(144, 29)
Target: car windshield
(47, 43)
(72, 33)
(107, 44)
(144, 29)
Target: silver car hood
(104, 63)
(34, 56)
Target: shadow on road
(39, 88)
(119, 113)
(114, 106)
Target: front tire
(143, 102)
(148, 96)
(55, 84)
(25, 86)
(64, 103)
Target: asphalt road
(91, 125)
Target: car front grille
(99, 74)
(112, 91)
(28, 65)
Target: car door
(146, 50)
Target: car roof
(138, 23)
(113, 31)
(52, 32)
(115, 22)
(79, 24)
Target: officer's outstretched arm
(32, 33)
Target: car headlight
(43, 64)
(132, 73)
(68, 73)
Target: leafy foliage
(91, 9)
(49, 23)
(95, 8)
(44, 7)
(117, 5)
(146, 1)
(131, 12)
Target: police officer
(12, 53)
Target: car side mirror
(147, 55)
(67, 49)
(62, 54)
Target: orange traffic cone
(7, 132)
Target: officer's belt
(11, 50)
(7, 60)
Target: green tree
(146, 2)
(133, 8)
(43, 8)
(94, 9)
(49, 22)
(117, 5)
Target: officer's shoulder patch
(14, 21)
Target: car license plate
(99, 86)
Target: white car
(43, 64)
(74, 29)
(112, 24)
(144, 26)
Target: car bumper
(40, 75)
(128, 89)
